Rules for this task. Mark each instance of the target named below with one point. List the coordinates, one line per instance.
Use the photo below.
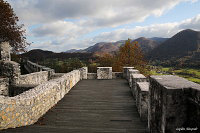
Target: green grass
(188, 73)
(196, 80)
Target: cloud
(97, 12)
(59, 25)
(59, 29)
(154, 30)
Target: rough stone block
(4, 86)
(169, 105)
(137, 78)
(142, 92)
(104, 72)
(129, 73)
(11, 70)
(5, 51)
(92, 76)
(84, 72)
(125, 71)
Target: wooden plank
(105, 106)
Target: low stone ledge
(125, 71)
(142, 99)
(92, 76)
(57, 75)
(169, 105)
(18, 89)
(137, 78)
(33, 78)
(117, 75)
(104, 72)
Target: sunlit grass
(188, 73)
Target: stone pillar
(5, 51)
(137, 78)
(4, 86)
(168, 104)
(84, 72)
(125, 71)
(129, 73)
(11, 70)
(141, 97)
(104, 72)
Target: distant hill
(112, 47)
(146, 44)
(40, 55)
(159, 39)
(184, 46)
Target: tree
(130, 55)
(106, 60)
(10, 30)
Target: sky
(60, 25)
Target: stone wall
(142, 92)
(125, 71)
(33, 67)
(104, 72)
(28, 107)
(130, 72)
(137, 78)
(5, 51)
(92, 76)
(170, 104)
(33, 78)
(11, 70)
(116, 75)
(4, 86)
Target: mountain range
(146, 44)
(182, 47)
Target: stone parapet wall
(28, 107)
(130, 72)
(92, 76)
(34, 67)
(33, 78)
(125, 71)
(84, 71)
(136, 78)
(5, 51)
(172, 101)
(104, 72)
(11, 70)
(141, 96)
(4, 86)
(116, 75)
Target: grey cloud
(100, 12)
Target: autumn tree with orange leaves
(10, 30)
(129, 55)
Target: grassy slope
(188, 73)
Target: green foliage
(63, 66)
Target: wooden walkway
(92, 106)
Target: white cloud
(155, 30)
(62, 24)
(98, 12)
